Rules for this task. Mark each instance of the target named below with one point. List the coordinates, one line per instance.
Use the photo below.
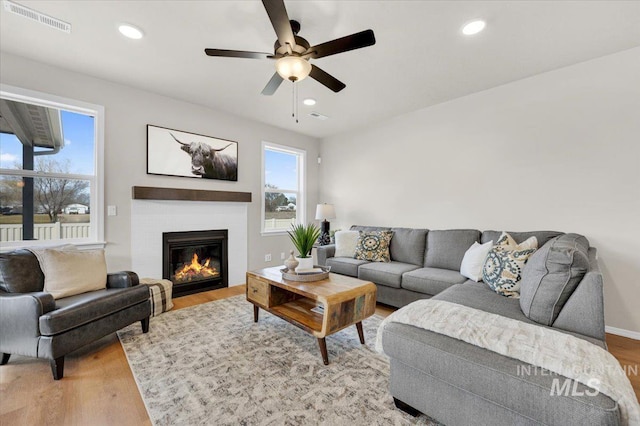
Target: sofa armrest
(122, 279)
(19, 326)
(325, 252)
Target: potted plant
(303, 238)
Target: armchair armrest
(325, 252)
(19, 325)
(122, 279)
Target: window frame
(301, 192)
(96, 181)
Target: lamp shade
(325, 211)
(293, 68)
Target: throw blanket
(579, 360)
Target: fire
(196, 270)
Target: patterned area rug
(211, 364)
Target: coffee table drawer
(257, 291)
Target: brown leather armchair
(33, 324)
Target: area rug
(211, 364)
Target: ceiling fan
(292, 52)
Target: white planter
(304, 263)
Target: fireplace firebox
(195, 261)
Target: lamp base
(324, 237)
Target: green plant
(303, 238)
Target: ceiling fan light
(293, 68)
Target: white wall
(128, 111)
(558, 151)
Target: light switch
(112, 211)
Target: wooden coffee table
(346, 301)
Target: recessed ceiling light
(473, 27)
(309, 101)
(130, 31)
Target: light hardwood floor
(99, 389)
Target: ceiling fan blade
(280, 21)
(236, 54)
(272, 85)
(351, 42)
(326, 79)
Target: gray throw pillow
(551, 276)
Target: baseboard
(622, 332)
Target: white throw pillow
(473, 260)
(67, 273)
(346, 242)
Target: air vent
(49, 21)
(318, 116)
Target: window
(50, 170)
(283, 187)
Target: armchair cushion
(74, 311)
(20, 272)
(68, 273)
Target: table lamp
(323, 212)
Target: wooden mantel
(153, 193)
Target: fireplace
(195, 261)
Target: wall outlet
(282, 256)
(267, 257)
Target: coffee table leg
(360, 332)
(255, 313)
(323, 350)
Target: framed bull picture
(176, 153)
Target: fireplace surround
(195, 261)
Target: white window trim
(96, 240)
(301, 202)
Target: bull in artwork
(209, 162)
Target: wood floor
(99, 389)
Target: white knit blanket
(542, 347)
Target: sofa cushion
(67, 273)
(345, 265)
(389, 274)
(373, 246)
(346, 242)
(431, 280)
(551, 276)
(541, 236)
(408, 245)
(502, 270)
(75, 311)
(445, 249)
(20, 272)
(479, 296)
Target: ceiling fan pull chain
(293, 100)
(296, 102)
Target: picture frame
(172, 152)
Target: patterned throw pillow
(374, 246)
(503, 267)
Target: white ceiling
(420, 57)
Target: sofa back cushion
(445, 249)
(20, 272)
(68, 273)
(519, 237)
(408, 245)
(369, 228)
(551, 276)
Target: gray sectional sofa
(457, 383)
